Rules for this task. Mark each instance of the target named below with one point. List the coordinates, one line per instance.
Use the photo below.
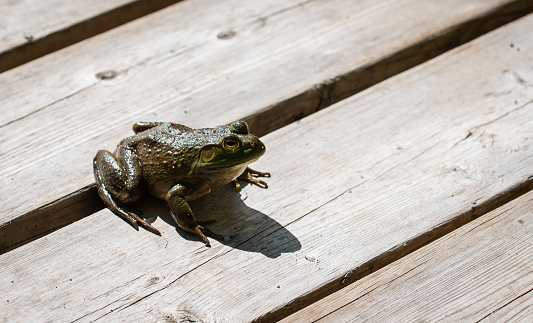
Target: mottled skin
(177, 164)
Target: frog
(177, 164)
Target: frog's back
(177, 140)
(171, 151)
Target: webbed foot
(134, 219)
(249, 176)
(145, 224)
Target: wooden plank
(354, 188)
(33, 28)
(480, 272)
(169, 67)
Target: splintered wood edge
(82, 30)
(401, 251)
(83, 202)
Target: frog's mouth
(230, 166)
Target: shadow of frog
(242, 227)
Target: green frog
(177, 164)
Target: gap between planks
(81, 203)
(34, 48)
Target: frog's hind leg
(114, 181)
(131, 217)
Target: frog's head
(236, 147)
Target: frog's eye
(208, 154)
(231, 143)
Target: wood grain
(33, 28)
(284, 61)
(354, 187)
(478, 273)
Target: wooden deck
(398, 133)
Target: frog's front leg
(181, 212)
(119, 178)
(249, 176)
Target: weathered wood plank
(55, 88)
(33, 28)
(167, 35)
(480, 272)
(179, 65)
(354, 188)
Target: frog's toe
(148, 226)
(211, 234)
(256, 173)
(204, 232)
(133, 223)
(258, 182)
(251, 180)
(198, 231)
(128, 216)
(249, 176)
(135, 220)
(237, 185)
